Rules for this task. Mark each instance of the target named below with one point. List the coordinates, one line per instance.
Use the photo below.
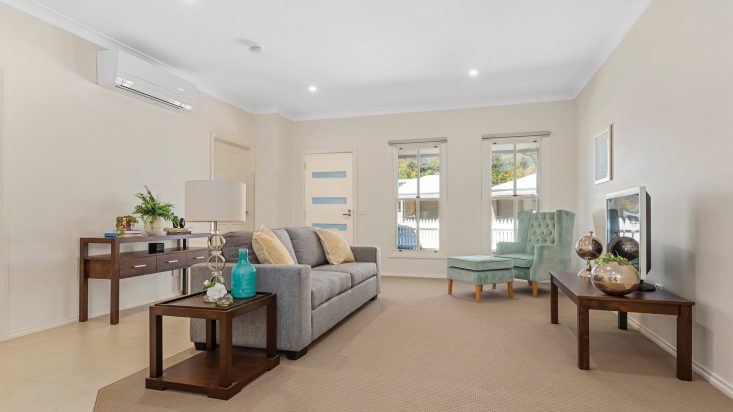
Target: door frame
(4, 244)
(354, 183)
(214, 138)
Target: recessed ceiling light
(473, 73)
(312, 89)
(256, 48)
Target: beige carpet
(416, 348)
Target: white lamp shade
(216, 201)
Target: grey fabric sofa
(312, 295)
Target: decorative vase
(244, 277)
(588, 247)
(615, 279)
(154, 226)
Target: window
(418, 197)
(513, 183)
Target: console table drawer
(135, 266)
(171, 262)
(197, 256)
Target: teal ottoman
(480, 271)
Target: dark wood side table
(121, 265)
(219, 373)
(586, 297)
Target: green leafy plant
(151, 208)
(611, 258)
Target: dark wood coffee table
(217, 372)
(586, 296)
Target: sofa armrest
(292, 284)
(503, 248)
(371, 254)
(549, 258)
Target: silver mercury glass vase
(615, 279)
(588, 248)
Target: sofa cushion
(325, 285)
(307, 246)
(359, 271)
(335, 247)
(235, 241)
(282, 234)
(522, 260)
(269, 248)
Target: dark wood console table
(121, 265)
(582, 292)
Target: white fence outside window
(407, 230)
(502, 230)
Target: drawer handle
(139, 266)
(173, 261)
(199, 257)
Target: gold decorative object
(589, 248)
(615, 279)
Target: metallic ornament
(626, 247)
(615, 279)
(588, 247)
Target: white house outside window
(418, 196)
(514, 170)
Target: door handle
(346, 214)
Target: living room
(588, 99)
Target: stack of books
(131, 233)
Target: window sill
(417, 255)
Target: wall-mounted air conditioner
(120, 71)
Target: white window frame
(542, 196)
(442, 200)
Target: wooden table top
(584, 289)
(196, 301)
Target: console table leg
(114, 301)
(156, 345)
(225, 353)
(684, 343)
(583, 336)
(553, 302)
(83, 284)
(210, 334)
(272, 328)
(622, 320)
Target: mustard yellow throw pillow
(269, 249)
(336, 247)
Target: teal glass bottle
(244, 277)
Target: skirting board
(72, 319)
(715, 380)
(415, 275)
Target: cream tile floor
(61, 369)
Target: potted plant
(615, 275)
(153, 213)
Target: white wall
(668, 90)
(368, 137)
(74, 154)
(273, 170)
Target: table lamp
(216, 201)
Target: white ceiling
(365, 56)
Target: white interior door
(234, 162)
(329, 192)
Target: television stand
(646, 287)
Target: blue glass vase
(244, 277)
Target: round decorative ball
(615, 279)
(624, 246)
(588, 247)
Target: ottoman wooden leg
(510, 289)
(535, 291)
(450, 286)
(478, 293)
(493, 286)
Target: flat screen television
(628, 229)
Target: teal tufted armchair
(545, 244)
